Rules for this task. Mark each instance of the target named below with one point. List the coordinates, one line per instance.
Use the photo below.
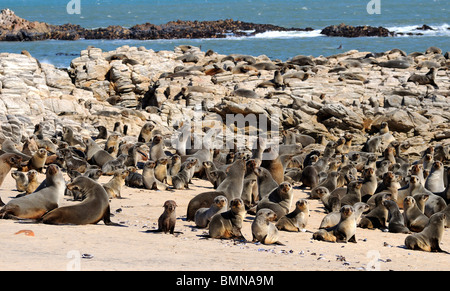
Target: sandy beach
(100, 247)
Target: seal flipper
(107, 219)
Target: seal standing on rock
(95, 206)
(228, 224)
(263, 230)
(428, 240)
(297, 219)
(35, 205)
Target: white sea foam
(289, 34)
(438, 30)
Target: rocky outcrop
(323, 97)
(344, 30)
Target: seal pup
(329, 183)
(33, 183)
(435, 203)
(297, 219)
(91, 210)
(415, 220)
(183, 177)
(263, 230)
(231, 188)
(396, 221)
(377, 217)
(149, 179)
(161, 169)
(344, 231)
(35, 205)
(114, 186)
(429, 238)
(157, 148)
(21, 180)
(110, 167)
(279, 200)
(167, 220)
(228, 224)
(203, 215)
(266, 184)
(37, 161)
(332, 219)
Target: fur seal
(157, 148)
(167, 220)
(149, 179)
(110, 167)
(396, 221)
(161, 169)
(266, 184)
(329, 183)
(429, 238)
(247, 191)
(33, 183)
(203, 215)
(114, 186)
(134, 179)
(279, 200)
(435, 180)
(331, 219)
(37, 161)
(91, 210)
(426, 79)
(183, 177)
(35, 205)
(263, 230)
(344, 231)
(21, 180)
(95, 155)
(295, 220)
(415, 220)
(68, 136)
(231, 188)
(353, 194)
(377, 217)
(435, 203)
(229, 223)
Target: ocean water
(399, 16)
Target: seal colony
(353, 162)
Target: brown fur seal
(175, 165)
(415, 220)
(35, 205)
(183, 177)
(231, 188)
(247, 191)
(266, 184)
(7, 161)
(331, 219)
(148, 176)
(297, 219)
(428, 240)
(167, 220)
(396, 221)
(95, 155)
(21, 180)
(33, 183)
(435, 203)
(353, 194)
(161, 169)
(157, 148)
(110, 167)
(435, 180)
(37, 161)
(330, 183)
(203, 215)
(344, 231)
(228, 224)
(68, 136)
(377, 217)
(263, 230)
(279, 200)
(114, 186)
(91, 210)
(428, 78)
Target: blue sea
(399, 15)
